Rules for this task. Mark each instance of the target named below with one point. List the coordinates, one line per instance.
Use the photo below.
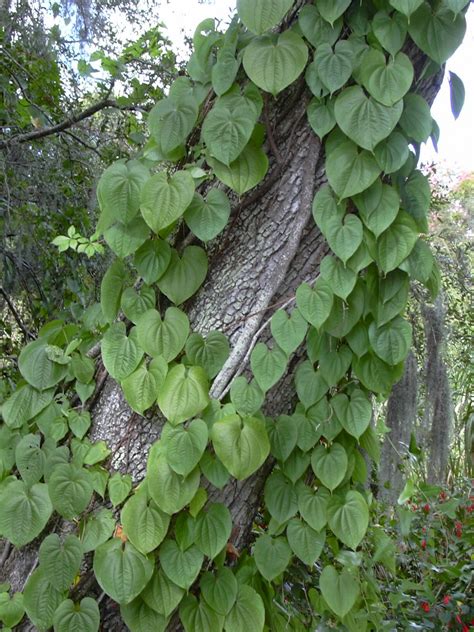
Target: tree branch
(16, 315)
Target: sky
(456, 144)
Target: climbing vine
(165, 552)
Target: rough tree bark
(269, 247)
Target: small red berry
(423, 544)
(426, 606)
(426, 508)
(446, 599)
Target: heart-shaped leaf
(339, 277)
(207, 217)
(247, 613)
(41, 599)
(213, 529)
(141, 387)
(184, 394)
(395, 244)
(121, 570)
(163, 337)
(144, 523)
(345, 237)
(219, 589)
(334, 67)
(333, 365)
(312, 506)
(184, 275)
(119, 190)
(349, 170)
(315, 303)
(407, 7)
(184, 447)
(390, 30)
(247, 398)
(164, 199)
(345, 314)
(84, 616)
(283, 434)
(268, 365)
(241, 444)
(161, 593)
(316, 29)
(181, 567)
(310, 384)
(273, 62)
(169, 490)
(392, 341)
(197, 616)
(306, 543)
(437, 32)
(260, 15)
(226, 131)
(12, 610)
(171, 121)
(37, 368)
(25, 511)
(363, 119)
(288, 331)
(60, 561)
(70, 489)
(354, 412)
(272, 556)
(416, 119)
(387, 81)
(321, 116)
(375, 374)
(245, 172)
(331, 10)
(378, 206)
(152, 259)
(281, 497)
(125, 239)
(348, 517)
(140, 617)
(210, 352)
(340, 591)
(134, 303)
(416, 198)
(330, 464)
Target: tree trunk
(270, 246)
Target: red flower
(458, 528)
(465, 628)
(446, 599)
(426, 508)
(423, 544)
(423, 530)
(425, 606)
(442, 495)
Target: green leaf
(310, 385)
(340, 278)
(281, 497)
(213, 529)
(392, 296)
(226, 131)
(224, 70)
(375, 375)
(348, 517)
(378, 206)
(354, 412)
(121, 570)
(70, 489)
(390, 30)
(407, 7)
(119, 190)
(344, 237)
(184, 275)
(395, 244)
(272, 556)
(214, 470)
(142, 386)
(392, 153)
(182, 567)
(184, 393)
(162, 594)
(345, 314)
(163, 337)
(289, 331)
(70, 616)
(437, 32)
(321, 116)
(144, 523)
(245, 172)
(60, 561)
(316, 29)
(274, 62)
(340, 591)
(219, 590)
(41, 599)
(135, 304)
(334, 67)
(268, 365)
(306, 543)
(97, 529)
(331, 10)
(171, 121)
(12, 610)
(330, 464)
(457, 93)
(36, 367)
(25, 511)
(334, 365)
(152, 259)
(416, 119)
(206, 218)
(169, 490)
(416, 198)
(140, 617)
(247, 398)
(241, 444)
(111, 288)
(30, 459)
(315, 303)
(125, 239)
(313, 506)
(349, 170)
(419, 263)
(121, 354)
(387, 81)
(392, 341)
(164, 199)
(184, 447)
(210, 352)
(262, 15)
(363, 119)
(119, 488)
(197, 616)
(283, 434)
(247, 613)
(296, 465)
(83, 368)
